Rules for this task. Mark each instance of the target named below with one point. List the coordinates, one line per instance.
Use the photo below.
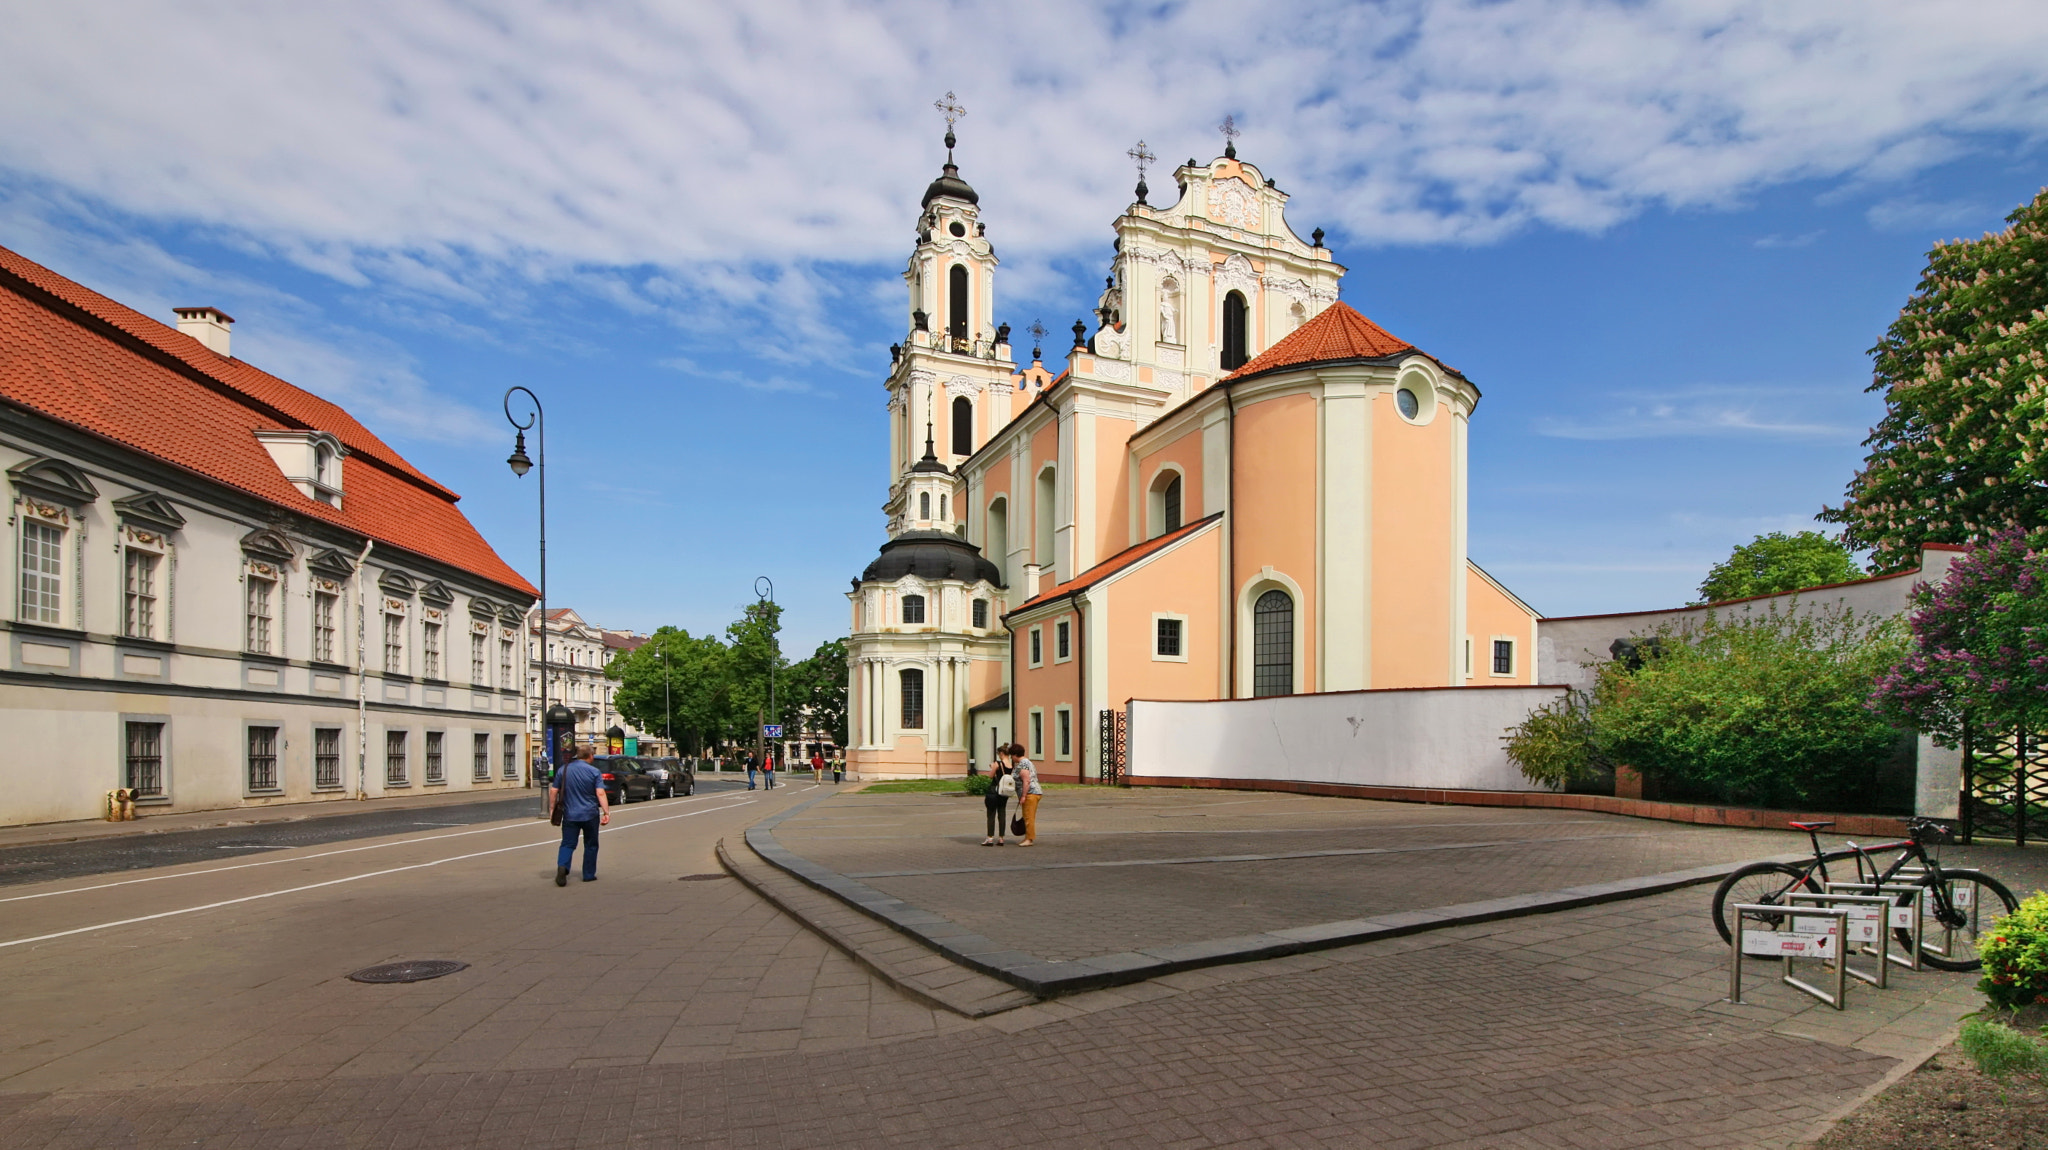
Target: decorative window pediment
(148, 509)
(268, 543)
(397, 583)
(437, 593)
(54, 480)
(338, 564)
(481, 608)
(511, 616)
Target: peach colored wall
(1412, 522)
(1276, 504)
(1045, 448)
(984, 681)
(1488, 613)
(1181, 582)
(1112, 486)
(1049, 686)
(1185, 450)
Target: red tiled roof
(164, 394)
(1338, 332)
(1117, 562)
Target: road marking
(550, 842)
(294, 858)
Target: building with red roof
(1239, 487)
(225, 590)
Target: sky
(1660, 236)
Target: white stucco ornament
(1234, 205)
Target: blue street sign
(771, 730)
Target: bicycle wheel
(1763, 882)
(1950, 926)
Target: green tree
(817, 686)
(1775, 563)
(693, 682)
(1959, 454)
(756, 654)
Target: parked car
(625, 778)
(682, 778)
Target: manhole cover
(700, 877)
(417, 970)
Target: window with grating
(912, 689)
(1273, 644)
(326, 757)
(144, 767)
(262, 758)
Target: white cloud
(1713, 411)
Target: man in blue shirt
(579, 787)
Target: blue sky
(1659, 236)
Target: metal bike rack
(1790, 945)
(1902, 916)
(1869, 921)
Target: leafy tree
(1958, 456)
(756, 652)
(1775, 563)
(694, 683)
(1979, 650)
(817, 686)
(1760, 708)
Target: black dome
(931, 555)
(950, 184)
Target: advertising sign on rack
(1790, 943)
(1865, 923)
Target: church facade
(1238, 487)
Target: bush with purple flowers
(1979, 649)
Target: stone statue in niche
(1169, 310)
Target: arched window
(913, 608)
(1047, 489)
(956, 312)
(924, 505)
(998, 549)
(963, 425)
(1235, 328)
(912, 682)
(1273, 644)
(1169, 517)
(942, 509)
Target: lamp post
(767, 597)
(520, 464)
(668, 731)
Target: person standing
(817, 766)
(996, 801)
(838, 770)
(1028, 793)
(768, 770)
(579, 788)
(750, 770)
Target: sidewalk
(147, 823)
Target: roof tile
(1338, 332)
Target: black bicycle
(1956, 904)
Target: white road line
(552, 842)
(297, 858)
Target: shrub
(1554, 745)
(2000, 1051)
(2016, 957)
(977, 784)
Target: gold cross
(1229, 128)
(1143, 156)
(951, 108)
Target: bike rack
(1903, 916)
(1790, 945)
(1869, 921)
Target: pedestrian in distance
(996, 801)
(750, 770)
(578, 792)
(838, 770)
(817, 768)
(768, 770)
(1028, 793)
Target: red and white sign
(1789, 943)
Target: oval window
(1406, 401)
(958, 228)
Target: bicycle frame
(1910, 850)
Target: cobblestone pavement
(646, 1011)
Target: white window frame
(434, 758)
(1063, 731)
(1514, 657)
(479, 658)
(326, 625)
(61, 529)
(140, 605)
(1157, 618)
(339, 758)
(505, 678)
(261, 625)
(1468, 656)
(1063, 628)
(430, 650)
(1034, 646)
(404, 760)
(1155, 499)
(394, 653)
(479, 756)
(512, 743)
(1035, 725)
(275, 755)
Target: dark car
(681, 778)
(625, 778)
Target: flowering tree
(1979, 651)
(1960, 454)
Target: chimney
(208, 325)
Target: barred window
(1169, 638)
(430, 650)
(912, 682)
(505, 662)
(259, 597)
(512, 756)
(1503, 657)
(1066, 718)
(1037, 646)
(395, 767)
(1063, 644)
(326, 757)
(138, 595)
(1038, 732)
(913, 608)
(1273, 644)
(480, 765)
(42, 573)
(981, 612)
(478, 672)
(394, 644)
(262, 772)
(324, 603)
(437, 771)
(144, 767)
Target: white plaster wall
(1440, 737)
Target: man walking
(580, 789)
(817, 766)
(750, 770)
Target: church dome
(931, 555)
(950, 184)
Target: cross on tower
(1230, 132)
(1037, 330)
(1143, 157)
(951, 108)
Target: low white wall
(1440, 737)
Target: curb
(1050, 979)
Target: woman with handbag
(997, 800)
(1028, 794)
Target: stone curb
(1050, 979)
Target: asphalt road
(44, 862)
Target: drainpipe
(362, 681)
(1230, 531)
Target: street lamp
(667, 710)
(520, 465)
(768, 597)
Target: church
(1239, 486)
